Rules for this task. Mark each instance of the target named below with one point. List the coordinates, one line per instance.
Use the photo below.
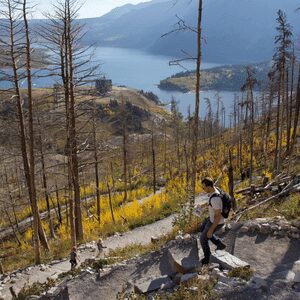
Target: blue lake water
(142, 70)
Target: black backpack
(226, 201)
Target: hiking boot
(221, 246)
(205, 261)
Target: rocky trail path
(274, 258)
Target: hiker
(100, 246)
(73, 258)
(214, 222)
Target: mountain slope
(235, 30)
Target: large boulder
(183, 256)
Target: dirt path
(141, 235)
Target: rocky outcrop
(277, 226)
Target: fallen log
(276, 182)
(288, 189)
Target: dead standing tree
(281, 58)
(248, 87)
(18, 43)
(72, 63)
(182, 26)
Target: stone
(265, 228)
(228, 261)
(286, 275)
(177, 278)
(244, 229)
(274, 227)
(205, 277)
(56, 293)
(221, 286)
(213, 266)
(179, 238)
(254, 227)
(188, 277)
(184, 257)
(187, 236)
(262, 220)
(284, 225)
(193, 289)
(294, 229)
(147, 285)
(296, 223)
(280, 233)
(296, 287)
(295, 235)
(54, 262)
(231, 281)
(258, 283)
(296, 270)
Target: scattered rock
(296, 287)
(187, 277)
(296, 223)
(193, 289)
(265, 228)
(228, 261)
(177, 278)
(296, 270)
(187, 236)
(295, 235)
(221, 286)
(152, 284)
(204, 278)
(56, 293)
(258, 283)
(179, 238)
(244, 229)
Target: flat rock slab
(267, 254)
(228, 261)
(148, 285)
(183, 256)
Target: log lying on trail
(290, 188)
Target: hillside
(248, 28)
(225, 78)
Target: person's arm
(217, 218)
(216, 203)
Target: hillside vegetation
(225, 78)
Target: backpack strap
(213, 195)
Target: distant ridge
(236, 31)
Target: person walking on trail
(214, 222)
(73, 258)
(100, 247)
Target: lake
(142, 70)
